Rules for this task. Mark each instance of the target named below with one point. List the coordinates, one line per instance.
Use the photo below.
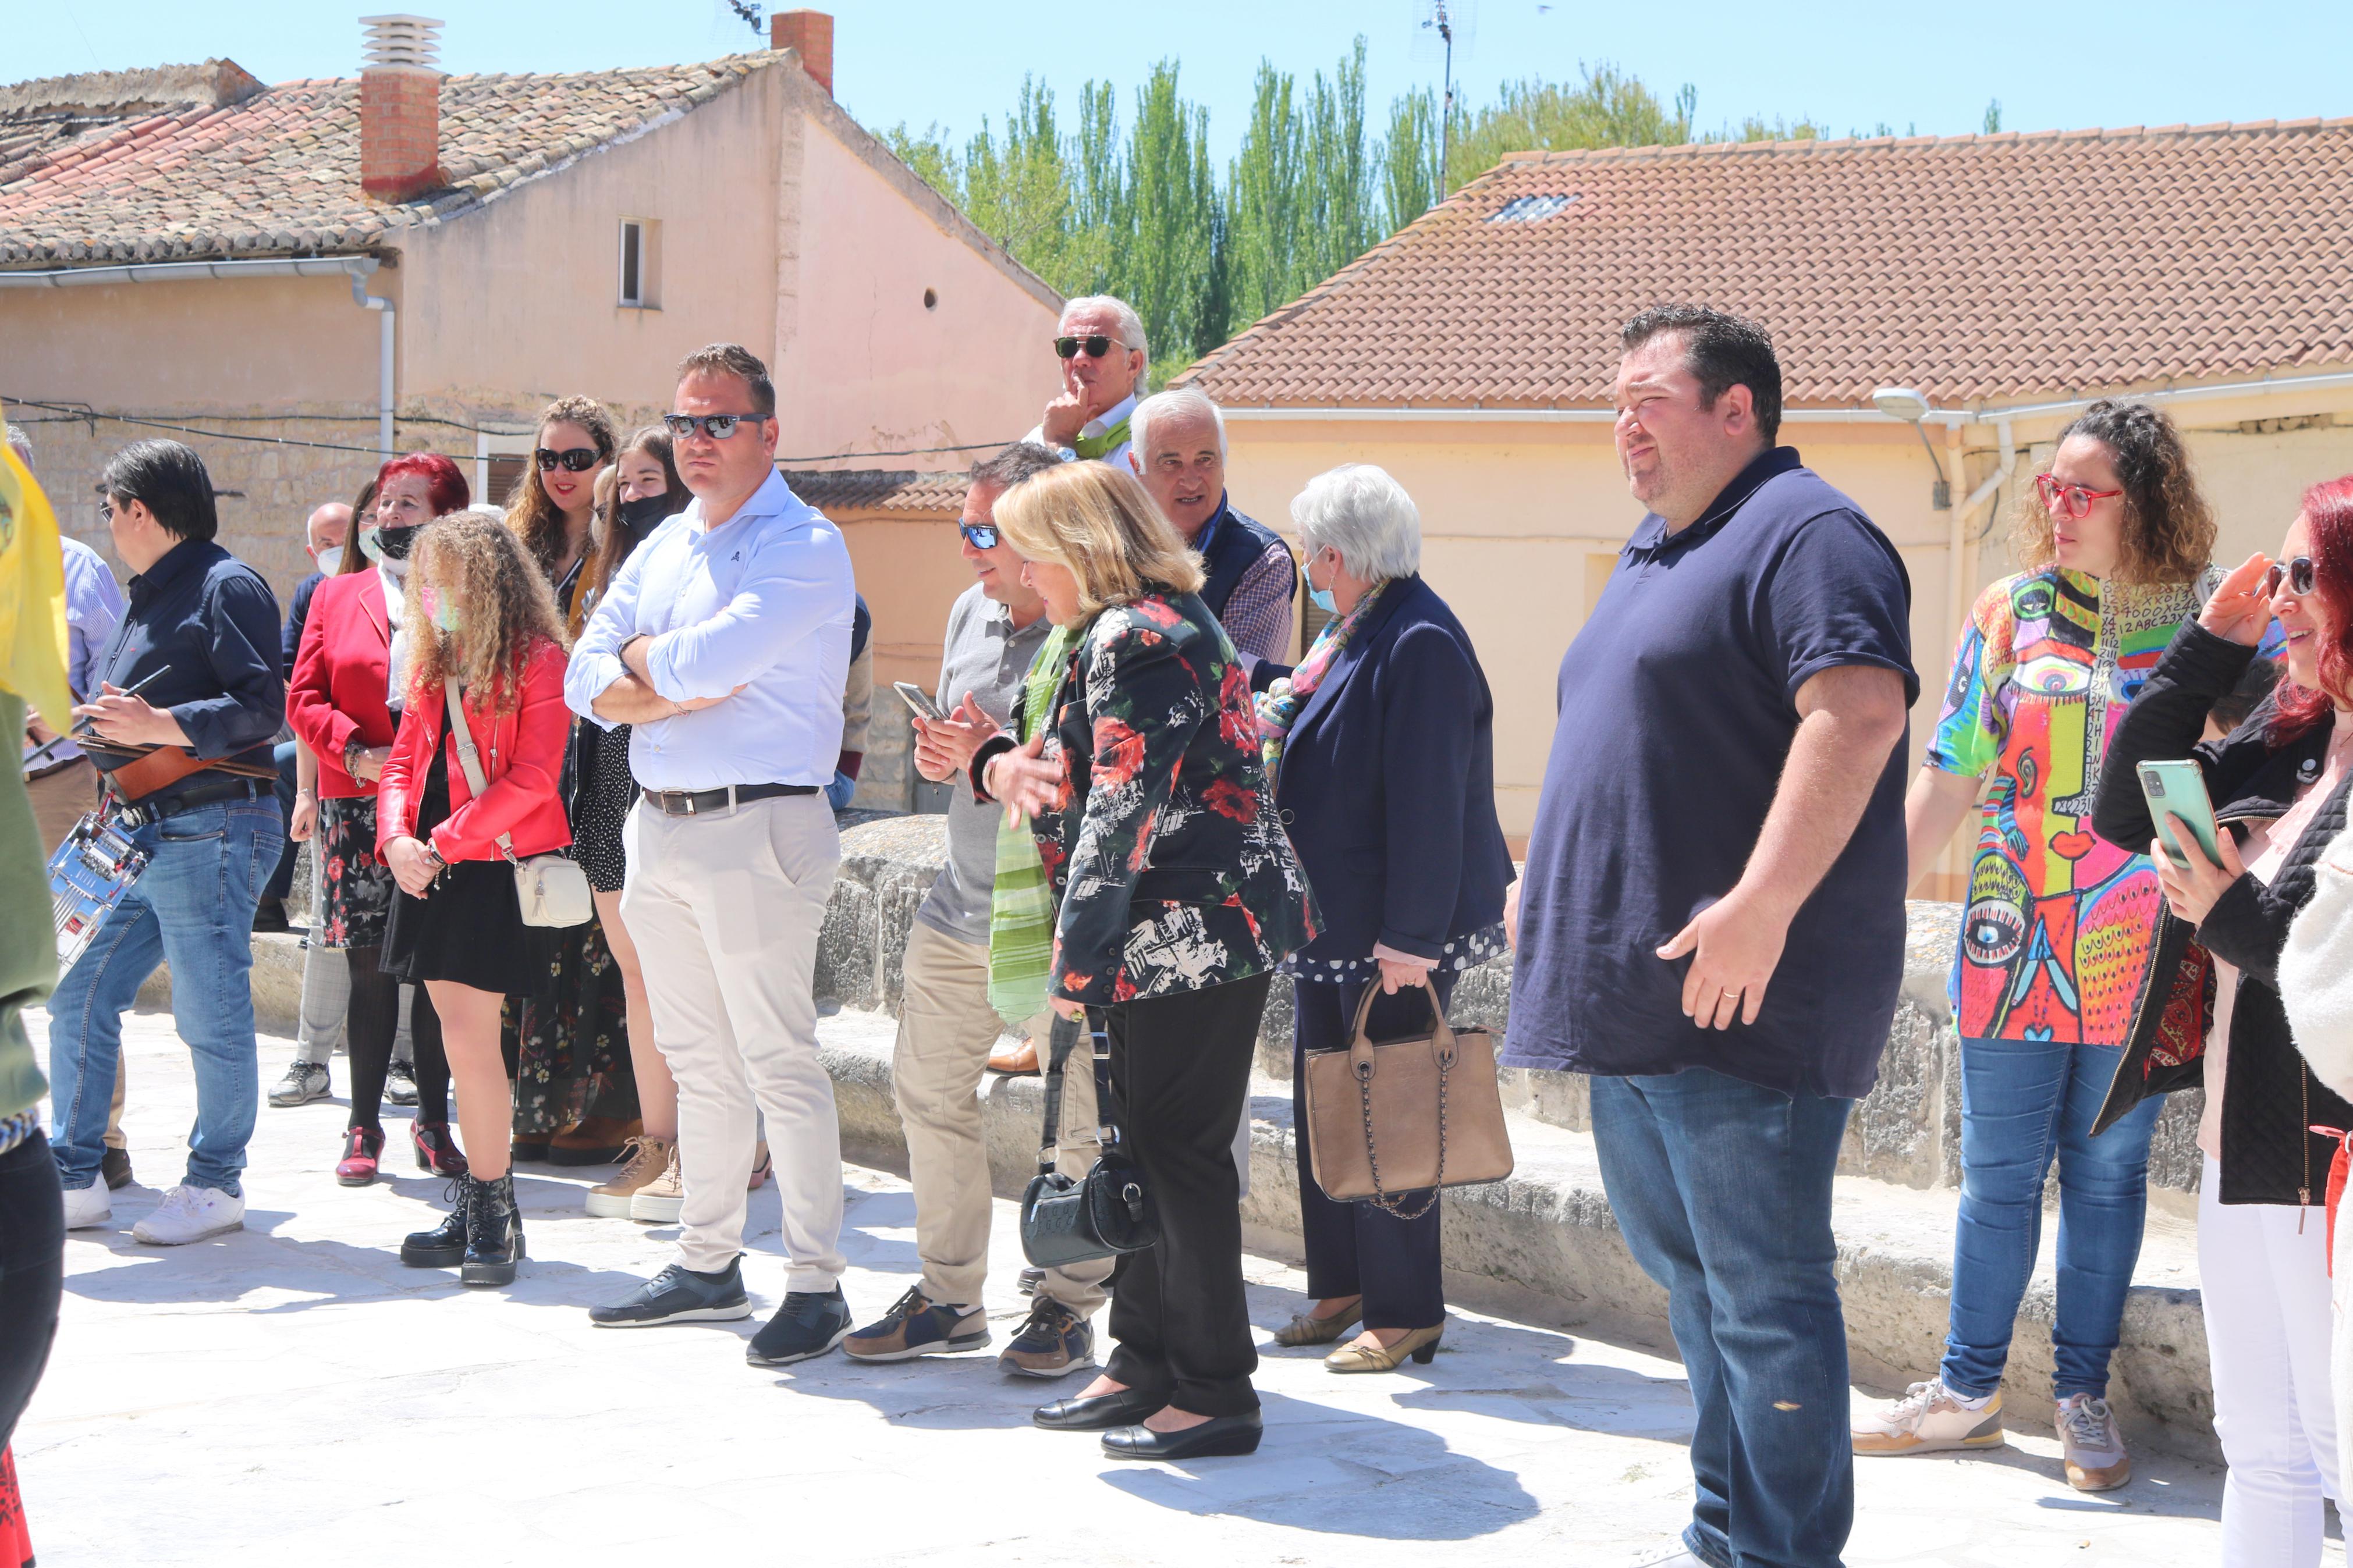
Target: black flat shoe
(1124, 1408)
(1218, 1437)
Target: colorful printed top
(2060, 924)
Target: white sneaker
(1930, 1418)
(190, 1213)
(2095, 1449)
(304, 1082)
(89, 1207)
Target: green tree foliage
(1607, 109)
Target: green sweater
(29, 955)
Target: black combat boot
(494, 1233)
(443, 1246)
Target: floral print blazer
(1172, 870)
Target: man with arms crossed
(1713, 920)
(725, 643)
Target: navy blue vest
(1236, 543)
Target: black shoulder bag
(1065, 1221)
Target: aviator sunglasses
(2297, 573)
(1096, 344)
(2073, 500)
(718, 426)
(577, 460)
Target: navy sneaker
(809, 1323)
(1054, 1343)
(916, 1326)
(679, 1295)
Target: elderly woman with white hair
(1381, 745)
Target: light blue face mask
(445, 614)
(1322, 598)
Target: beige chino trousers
(725, 907)
(946, 1030)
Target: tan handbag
(1403, 1115)
(552, 889)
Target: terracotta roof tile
(881, 490)
(279, 173)
(1971, 268)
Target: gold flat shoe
(1306, 1329)
(1366, 1355)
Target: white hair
(1130, 325)
(1360, 511)
(23, 445)
(1182, 403)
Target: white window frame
(647, 234)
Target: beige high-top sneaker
(643, 1161)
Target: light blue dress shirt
(93, 606)
(765, 602)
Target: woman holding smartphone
(2278, 785)
(2060, 929)
(480, 616)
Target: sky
(1849, 67)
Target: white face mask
(329, 559)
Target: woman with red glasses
(2059, 930)
(2278, 784)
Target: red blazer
(523, 762)
(338, 689)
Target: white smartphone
(917, 698)
(2178, 789)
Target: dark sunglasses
(2297, 573)
(2074, 501)
(718, 426)
(979, 535)
(1095, 344)
(577, 461)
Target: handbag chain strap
(461, 736)
(1382, 1199)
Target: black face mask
(640, 517)
(394, 543)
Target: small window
(1529, 209)
(505, 475)
(640, 264)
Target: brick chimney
(400, 107)
(811, 33)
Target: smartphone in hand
(2178, 789)
(918, 700)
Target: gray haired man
(1101, 342)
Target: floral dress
(356, 887)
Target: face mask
(1321, 598)
(330, 559)
(444, 614)
(642, 516)
(391, 543)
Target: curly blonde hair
(1101, 524)
(505, 608)
(532, 514)
(2169, 532)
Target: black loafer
(1218, 1437)
(1124, 1408)
(809, 1324)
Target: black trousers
(1356, 1250)
(373, 1026)
(32, 1272)
(1180, 1074)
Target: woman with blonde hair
(1178, 896)
(484, 631)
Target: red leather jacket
(522, 763)
(338, 690)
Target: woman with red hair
(345, 701)
(2279, 784)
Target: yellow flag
(32, 597)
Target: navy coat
(1387, 785)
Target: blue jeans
(838, 793)
(2021, 1103)
(281, 879)
(193, 908)
(1722, 1191)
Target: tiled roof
(279, 173)
(881, 490)
(1971, 268)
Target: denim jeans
(281, 877)
(838, 793)
(1722, 1191)
(193, 908)
(2021, 1103)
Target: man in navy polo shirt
(1711, 923)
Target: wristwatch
(352, 750)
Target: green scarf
(1021, 901)
(1096, 445)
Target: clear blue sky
(1849, 65)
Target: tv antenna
(1442, 26)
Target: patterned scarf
(1021, 899)
(1279, 704)
(1096, 445)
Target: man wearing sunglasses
(1101, 343)
(724, 644)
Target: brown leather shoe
(593, 1141)
(1021, 1061)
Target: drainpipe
(1963, 513)
(385, 316)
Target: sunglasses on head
(718, 426)
(2296, 573)
(2073, 500)
(577, 460)
(1096, 344)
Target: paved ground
(290, 1394)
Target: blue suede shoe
(915, 1326)
(809, 1323)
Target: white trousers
(725, 908)
(2264, 1271)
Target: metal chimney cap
(1901, 403)
(403, 42)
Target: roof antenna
(751, 16)
(1450, 21)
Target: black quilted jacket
(2270, 1100)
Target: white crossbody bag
(552, 889)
